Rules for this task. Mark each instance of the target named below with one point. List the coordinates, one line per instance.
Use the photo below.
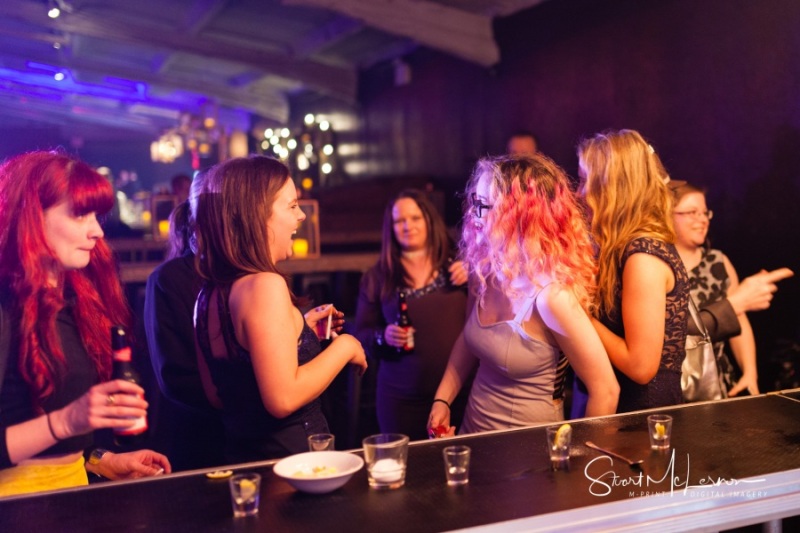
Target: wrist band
(442, 401)
(50, 427)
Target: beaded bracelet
(442, 401)
(50, 427)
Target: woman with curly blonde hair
(530, 258)
(642, 284)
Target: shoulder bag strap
(701, 327)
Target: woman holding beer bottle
(411, 309)
(60, 297)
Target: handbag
(699, 372)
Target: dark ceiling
(106, 66)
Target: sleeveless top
(708, 283)
(520, 380)
(665, 388)
(251, 432)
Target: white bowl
(298, 470)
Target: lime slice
(563, 436)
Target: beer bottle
(123, 369)
(404, 322)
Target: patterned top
(708, 283)
(665, 388)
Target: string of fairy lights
(309, 151)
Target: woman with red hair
(61, 297)
(531, 291)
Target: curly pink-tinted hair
(534, 226)
(30, 184)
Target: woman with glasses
(531, 291)
(417, 259)
(643, 288)
(711, 277)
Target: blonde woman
(643, 287)
(531, 287)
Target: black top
(665, 388)
(188, 428)
(79, 375)
(251, 432)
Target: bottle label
(123, 354)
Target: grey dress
(520, 380)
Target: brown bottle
(123, 369)
(404, 321)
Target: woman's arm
(572, 329)
(268, 326)
(89, 412)
(743, 346)
(646, 280)
(457, 371)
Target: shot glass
(559, 439)
(321, 442)
(245, 493)
(660, 429)
(386, 455)
(456, 464)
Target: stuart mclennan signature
(603, 482)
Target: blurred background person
(261, 363)
(180, 185)
(522, 142)
(531, 290)
(61, 296)
(643, 288)
(188, 427)
(417, 258)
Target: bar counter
(733, 463)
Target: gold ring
(110, 399)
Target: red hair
(30, 184)
(534, 226)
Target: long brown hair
(231, 217)
(625, 188)
(439, 245)
(30, 184)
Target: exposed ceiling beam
(455, 31)
(332, 80)
(273, 106)
(199, 14)
(326, 35)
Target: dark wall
(713, 84)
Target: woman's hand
(396, 336)
(133, 465)
(748, 382)
(458, 273)
(755, 293)
(358, 358)
(113, 404)
(439, 420)
(321, 312)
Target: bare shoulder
(262, 285)
(558, 299)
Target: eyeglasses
(478, 206)
(694, 213)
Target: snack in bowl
(318, 472)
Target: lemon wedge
(661, 431)
(563, 436)
(247, 489)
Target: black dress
(665, 388)
(251, 432)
